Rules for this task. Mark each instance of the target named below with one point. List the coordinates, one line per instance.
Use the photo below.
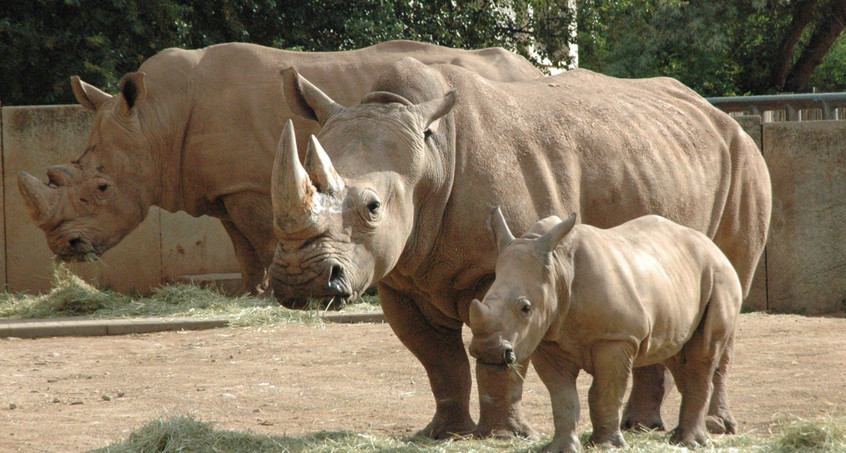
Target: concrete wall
(806, 254)
(162, 248)
(803, 271)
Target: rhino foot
(568, 444)
(511, 428)
(442, 429)
(689, 438)
(721, 424)
(647, 421)
(609, 440)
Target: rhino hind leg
(643, 410)
(720, 419)
(441, 351)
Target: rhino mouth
(503, 355)
(333, 303)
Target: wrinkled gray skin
(393, 191)
(196, 131)
(574, 297)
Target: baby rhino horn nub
(40, 198)
(499, 227)
(550, 240)
(292, 191)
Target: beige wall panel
(195, 245)
(34, 139)
(757, 299)
(806, 255)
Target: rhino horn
(40, 198)
(320, 168)
(497, 224)
(292, 192)
(478, 311)
(549, 241)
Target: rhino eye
(103, 187)
(373, 207)
(524, 305)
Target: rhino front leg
(441, 351)
(612, 365)
(500, 393)
(250, 227)
(559, 376)
(643, 410)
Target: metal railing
(786, 107)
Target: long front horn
(320, 169)
(500, 229)
(40, 199)
(477, 315)
(292, 192)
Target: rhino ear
(497, 224)
(133, 90)
(89, 96)
(549, 241)
(431, 112)
(307, 100)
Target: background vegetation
(722, 47)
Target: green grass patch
(70, 296)
(186, 434)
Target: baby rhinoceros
(574, 297)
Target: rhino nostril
(77, 245)
(509, 355)
(336, 277)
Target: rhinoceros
(196, 131)
(575, 297)
(392, 190)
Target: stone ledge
(42, 328)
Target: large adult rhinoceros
(395, 191)
(196, 130)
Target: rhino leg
(559, 376)
(720, 419)
(612, 365)
(441, 351)
(643, 410)
(249, 226)
(500, 392)
(693, 371)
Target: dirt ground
(76, 394)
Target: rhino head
(90, 204)
(343, 222)
(523, 300)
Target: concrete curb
(43, 328)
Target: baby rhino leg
(612, 365)
(559, 376)
(693, 368)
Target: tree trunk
(803, 12)
(826, 33)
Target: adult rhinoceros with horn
(196, 131)
(394, 191)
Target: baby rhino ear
(549, 241)
(497, 224)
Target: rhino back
(649, 280)
(610, 149)
(226, 108)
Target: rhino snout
(493, 352)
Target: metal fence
(786, 107)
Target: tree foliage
(717, 47)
